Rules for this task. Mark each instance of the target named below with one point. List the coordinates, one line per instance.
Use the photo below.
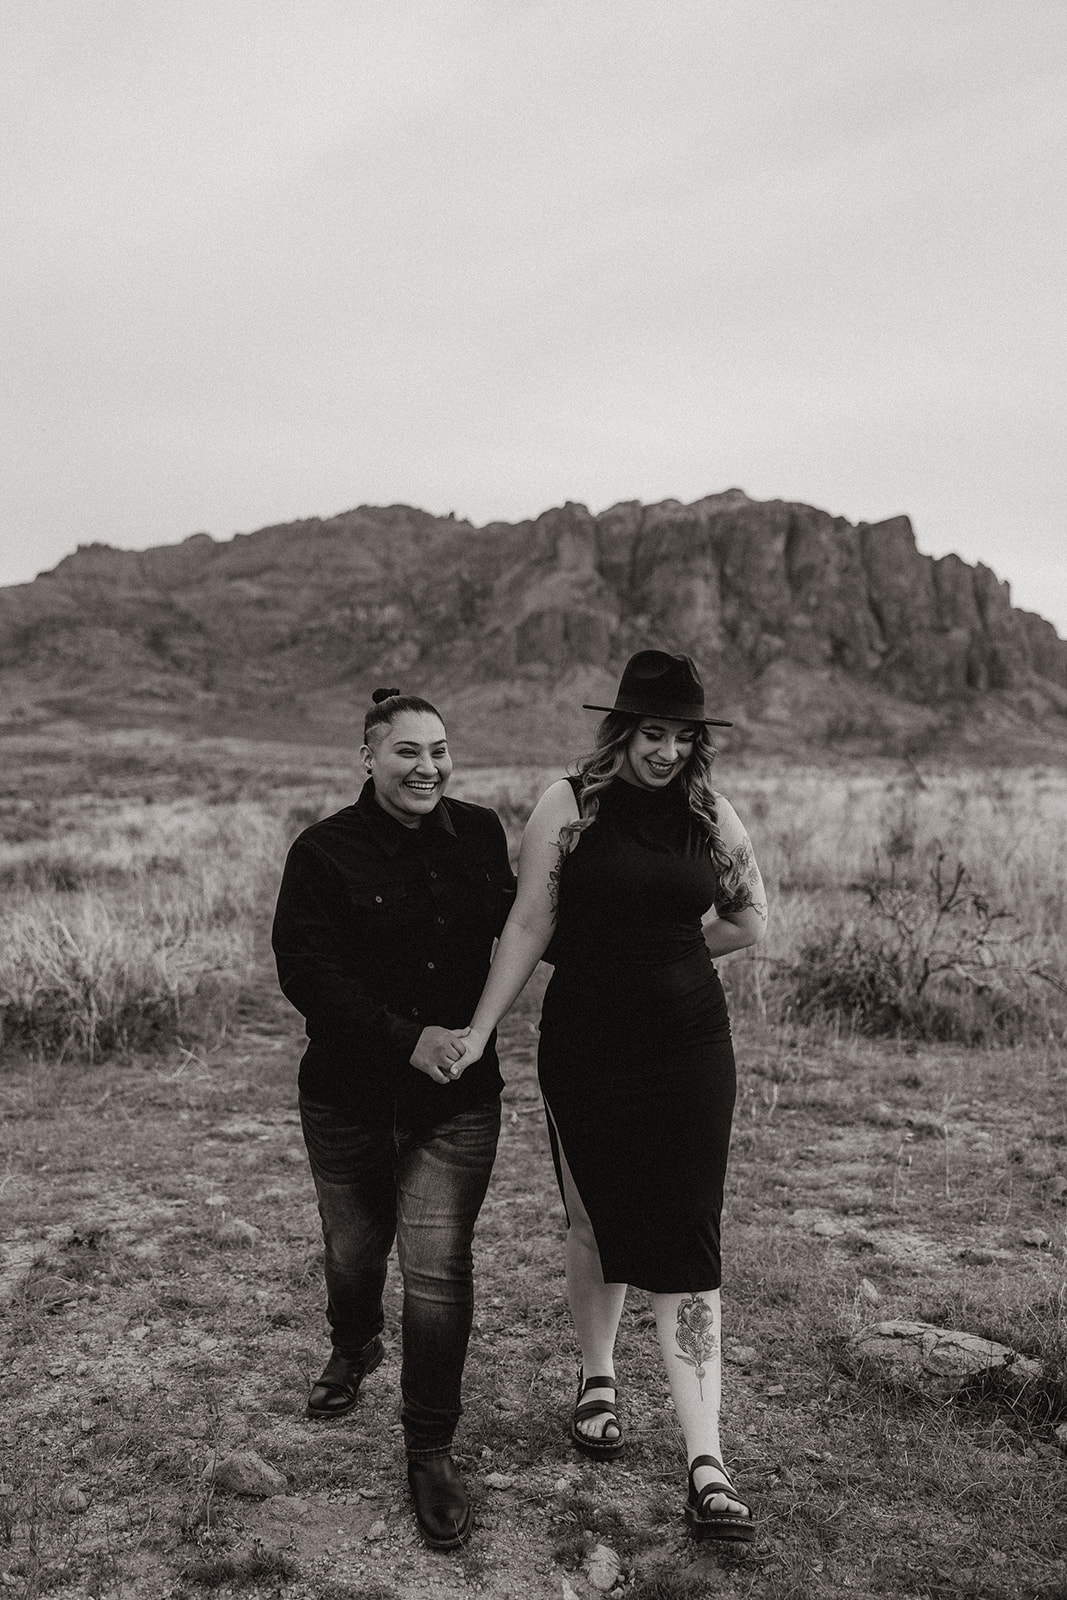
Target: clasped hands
(444, 1054)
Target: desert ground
(900, 1152)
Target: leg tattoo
(696, 1335)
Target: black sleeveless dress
(635, 1061)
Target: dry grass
(132, 920)
(166, 1308)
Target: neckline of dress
(643, 796)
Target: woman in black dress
(641, 876)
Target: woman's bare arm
(738, 918)
(533, 917)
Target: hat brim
(710, 722)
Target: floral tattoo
(696, 1336)
(737, 892)
(553, 880)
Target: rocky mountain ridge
(798, 619)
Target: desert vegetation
(900, 1151)
(905, 905)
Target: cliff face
(312, 614)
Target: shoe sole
(595, 1449)
(737, 1531)
(316, 1415)
(456, 1542)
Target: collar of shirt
(391, 834)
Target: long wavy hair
(597, 769)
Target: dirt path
(163, 1312)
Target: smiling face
(657, 751)
(410, 764)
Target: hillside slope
(801, 621)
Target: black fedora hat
(655, 684)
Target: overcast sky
(268, 259)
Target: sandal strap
(595, 1408)
(723, 1486)
(602, 1382)
(710, 1490)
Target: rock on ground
(945, 1356)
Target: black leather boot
(442, 1509)
(337, 1390)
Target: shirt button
(429, 966)
(377, 899)
(414, 1011)
(433, 874)
(441, 921)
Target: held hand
(437, 1050)
(473, 1050)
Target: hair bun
(383, 694)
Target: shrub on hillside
(928, 959)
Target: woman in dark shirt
(383, 934)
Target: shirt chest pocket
(383, 907)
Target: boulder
(943, 1358)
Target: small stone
(499, 1480)
(1058, 1187)
(81, 1369)
(569, 1592)
(775, 1389)
(1060, 1435)
(237, 1232)
(741, 1355)
(245, 1472)
(1037, 1238)
(87, 1425)
(70, 1498)
(828, 1229)
(868, 1292)
(601, 1566)
(56, 1372)
(141, 1331)
(377, 1529)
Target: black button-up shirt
(381, 931)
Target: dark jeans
(424, 1188)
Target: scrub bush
(929, 958)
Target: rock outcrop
(795, 613)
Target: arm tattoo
(697, 1336)
(553, 880)
(738, 889)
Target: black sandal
(599, 1449)
(705, 1524)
